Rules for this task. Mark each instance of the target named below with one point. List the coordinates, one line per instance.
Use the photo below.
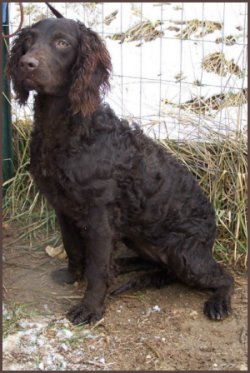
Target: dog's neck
(51, 105)
(53, 113)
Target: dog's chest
(47, 174)
(43, 155)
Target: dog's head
(60, 57)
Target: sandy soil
(156, 329)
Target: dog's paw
(63, 276)
(217, 308)
(80, 314)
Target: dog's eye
(61, 43)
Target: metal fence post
(6, 128)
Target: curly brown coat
(105, 179)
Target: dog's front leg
(97, 271)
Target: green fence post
(6, 120)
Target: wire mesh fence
(179, 69)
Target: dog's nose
(28, 63)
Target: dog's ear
(12, 68)
(90, 73)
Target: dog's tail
(54, 11)
(154, 279)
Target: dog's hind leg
(218, 305)
(196, 267)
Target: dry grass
(220, 166)
(218, 64)
(145, 30)
(195, 25)
(210, 105)
(110, 18)
(15, 313)
(228, 40)
(22, 201)
(201, 105)
(221, 169)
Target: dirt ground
(156, 329)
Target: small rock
(41, 366)
(40, 342)
(64, 364)
(193, 313)
(243, 367)
(148, 313)
(64, 347)
(24, 324)
(55, 251)
(11, 343)
(64, 333)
